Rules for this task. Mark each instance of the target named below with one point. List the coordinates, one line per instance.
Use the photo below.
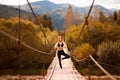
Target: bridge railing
(51, 69)
(26, 45)
(106, 72)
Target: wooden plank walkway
(68, 71)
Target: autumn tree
(46, 21)
(108, 52)
(69, 18)
(110, 18)
(118, 17)
(96, 12)
(115, 15)
(101, 17)
(27, 59)
(30, 18)
(76, 18)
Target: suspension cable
(107, 73)
(76, 42)
(78, 60)
(40, 25)
(116, 67)
(85, 22)
(26, 45)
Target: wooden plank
(68, 71)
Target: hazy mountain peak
(113, 9)
(43, 2)
(57, 11)
(8, 11)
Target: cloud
(109, 3)
(116, 6)
(15, 2)
(115, 1)
(9, 2)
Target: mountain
(113, 9)
(8, 11)
(106, 11)
(48, 7)
(41, 6)
(57, 11)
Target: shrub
(109, 52)
(26, 59)
(83, 51)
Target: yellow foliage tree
(83, 51)
(72, 34)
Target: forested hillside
(8, 11)
(101, 38)
(32, 62)
(58, 11)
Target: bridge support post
(19, 59)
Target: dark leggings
(61, 52)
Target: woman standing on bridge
(61, 50)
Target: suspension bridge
(54, 72)
(68, 72)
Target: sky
(80, 3)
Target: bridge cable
(26, 45)
(40, 25)
(115, 67)
(18, 40)
(107, 73)
(85, 23)
(76, 42)
(78, 60)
